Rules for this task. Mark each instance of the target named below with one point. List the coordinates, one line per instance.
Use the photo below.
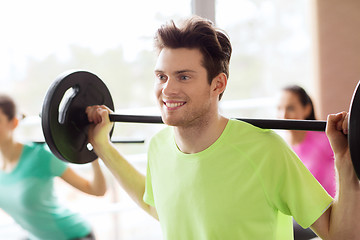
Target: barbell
(65, 124)
(112, 140)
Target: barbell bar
(65, 127)
(112, 140)
(284, 124)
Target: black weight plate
(65, 129)
(354, 130)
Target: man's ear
(219, 83)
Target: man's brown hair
(198, 33)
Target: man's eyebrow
(176, 72)
(184, 71)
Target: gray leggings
(90, 236)
(301, 233)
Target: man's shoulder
(255, 141)
(246, 130)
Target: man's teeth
(173, 105)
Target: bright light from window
(36, 29)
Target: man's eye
(184, 77)
(161, 77)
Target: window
(113, 39)
(272, 47)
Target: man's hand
(337, 130)
(99, 131)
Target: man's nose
(170, 87)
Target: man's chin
(171, 121)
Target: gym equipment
(112, 140)
(63, 117)
(65, 123)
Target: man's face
(181, 87)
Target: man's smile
(172, 105)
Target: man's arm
(129, 178)
(342, 219)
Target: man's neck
(200, 136)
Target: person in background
(27, 184)
(313, 148)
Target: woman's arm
(96, 186)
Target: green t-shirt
(26, 194)
(244, 186)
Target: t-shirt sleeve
(148, 195)
(57, 167)
(291, 188)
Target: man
(209, 177)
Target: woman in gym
(27, 184)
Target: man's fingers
(337, 122)
(345, 125)
(342, 123)
(103, 114)
(98, 113)
(93, 114)
(332, 121)
(90, 113)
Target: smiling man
(210, 177)
(186, 98)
